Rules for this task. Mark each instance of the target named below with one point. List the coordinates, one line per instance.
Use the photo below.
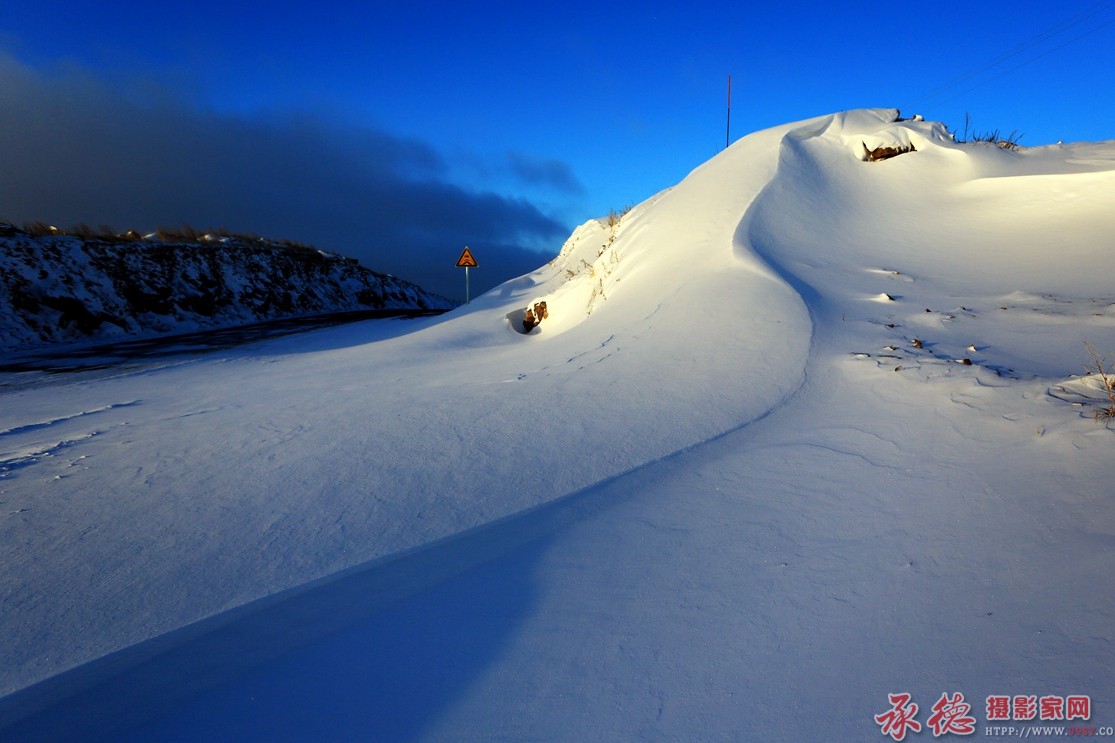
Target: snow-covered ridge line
(824, 403)
(65, 288)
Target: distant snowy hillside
(802, 432)
(64, 288)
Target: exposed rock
(883, 153)
(534, 316)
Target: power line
(1023, 64)
(1026, 45)
(1023, 47)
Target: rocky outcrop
(885, 153)
(59, 288)
(534, 316)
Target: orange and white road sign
(466, 260)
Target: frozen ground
(799, 433)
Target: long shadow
(411, 641)
(385, 679)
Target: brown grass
(1102, 367)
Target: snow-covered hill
(799, 433)
(66, 288)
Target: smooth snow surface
(799, 432)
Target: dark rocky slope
(60, 288)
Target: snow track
(27, 427)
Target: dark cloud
(544, 172)
(76, 149)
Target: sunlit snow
(799, 432)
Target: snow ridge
(819, 413)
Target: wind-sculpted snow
(967, 245)
(805, 424)
(245, 474)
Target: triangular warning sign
(466, 260)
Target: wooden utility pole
(728, 135)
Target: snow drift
(828, 401)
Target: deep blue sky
(398, 133)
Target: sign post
(466, 261)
